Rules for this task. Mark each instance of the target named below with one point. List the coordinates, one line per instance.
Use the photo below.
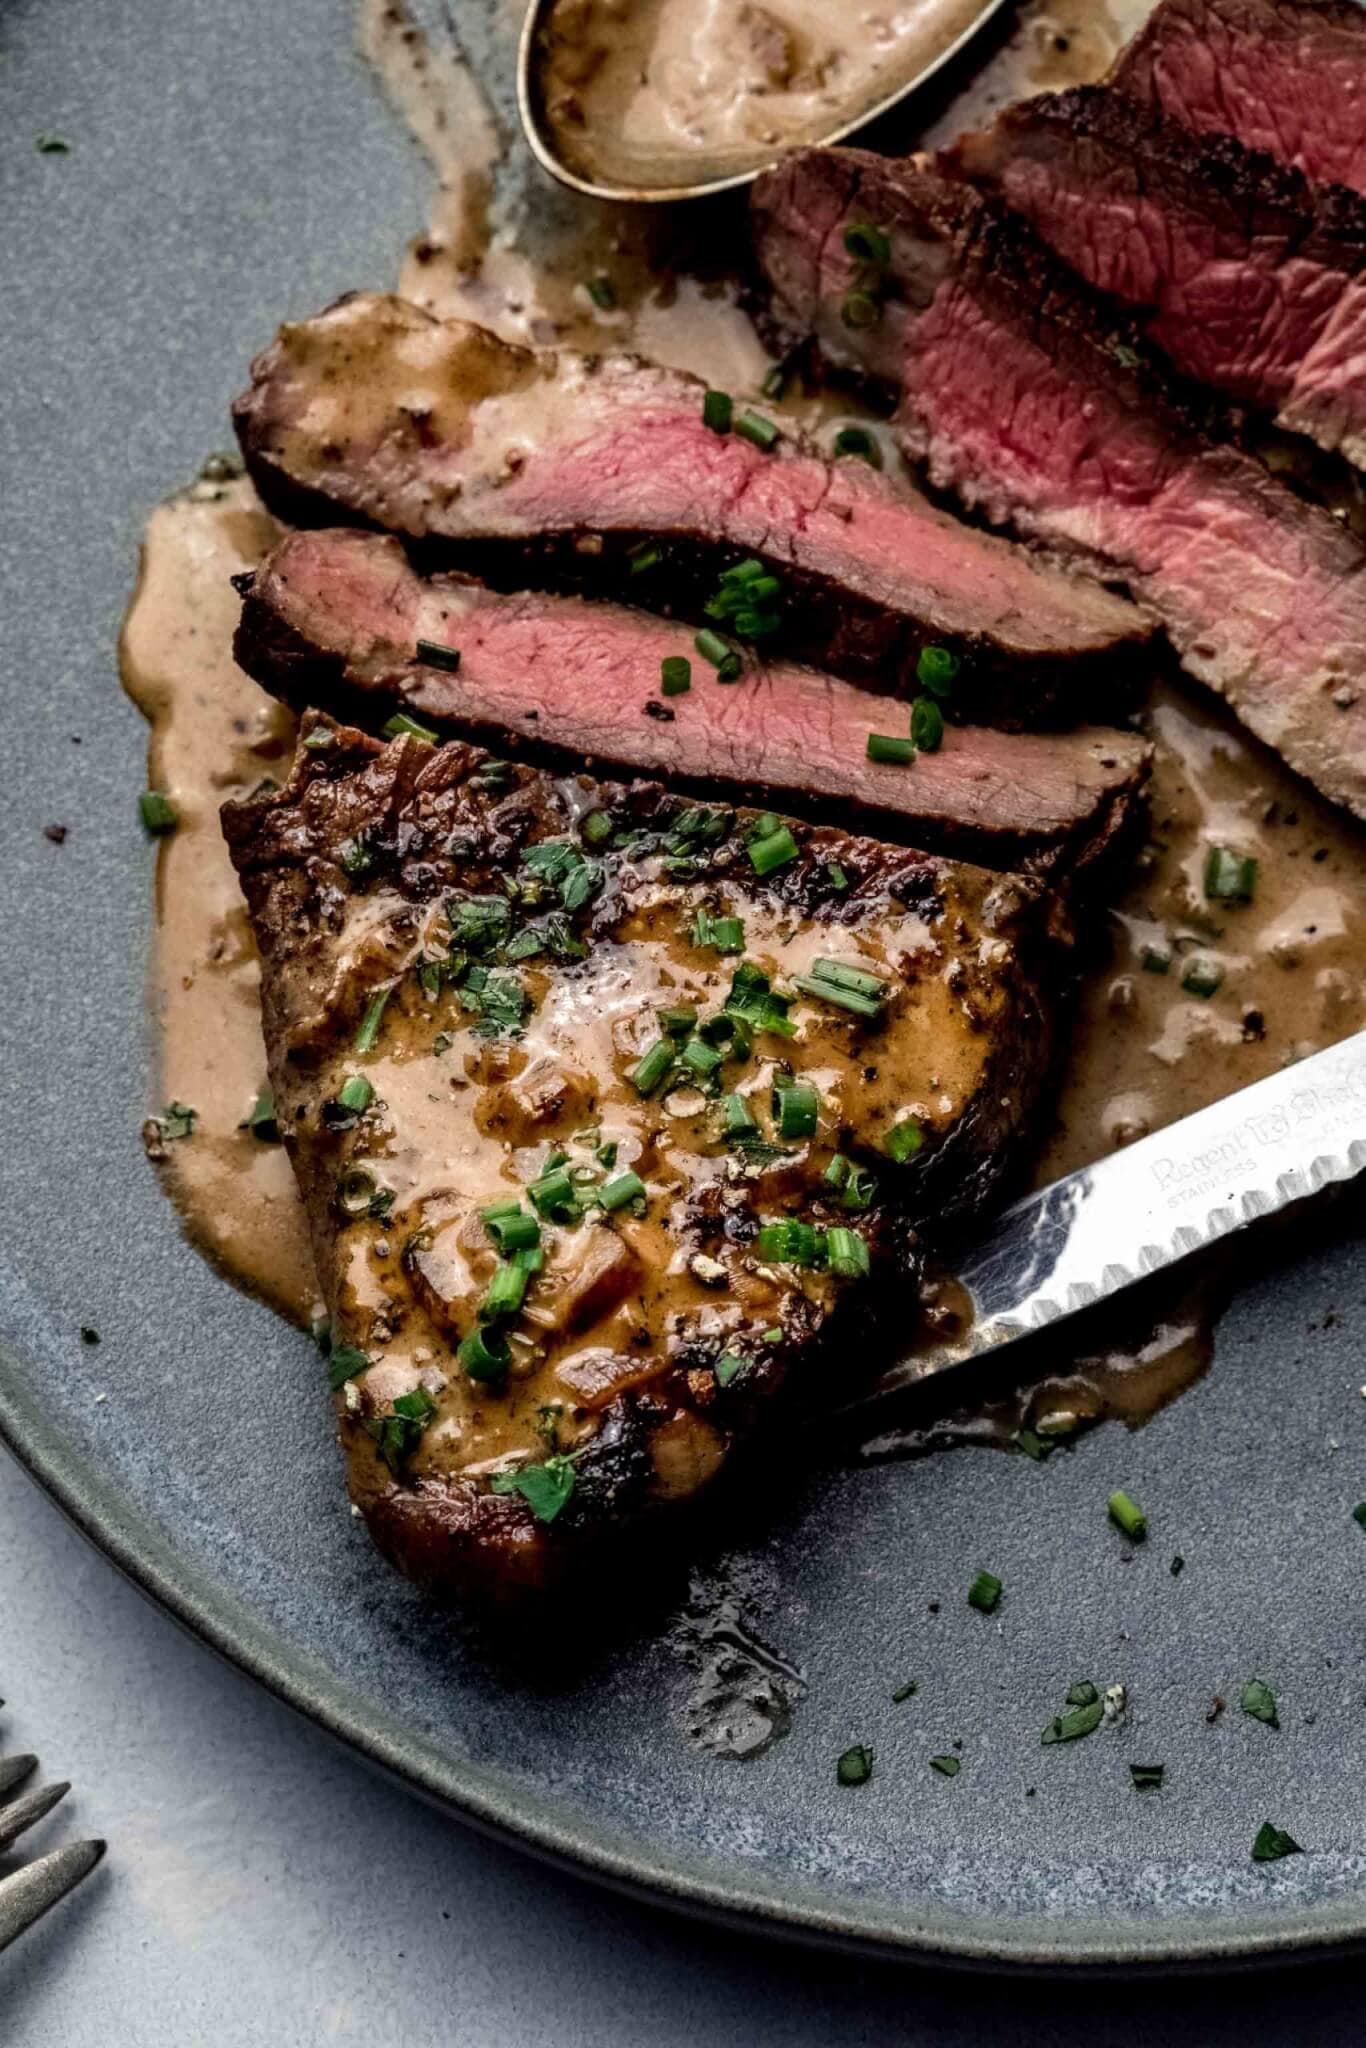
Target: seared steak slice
(1249, 278)
(336, 618)
(603, 473)
(485, 990)
(1041, 412)
(1284, 76)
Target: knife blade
(1099, 1230)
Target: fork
(27, 1893)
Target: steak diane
(340, 619)
(611, 1115)
(1040, 410)
(604, 472)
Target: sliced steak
(1040, 412)
(1249, 278)
(464, 965)
(603, 473)
(1284, 76)
(336, 617)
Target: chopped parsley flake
(1259, 1701)
(1270, 1843)
(545, 1488)
(947, 1766)
(985, 1592)
(1147, 1777)
(855, 1766)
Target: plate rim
(128, 1537)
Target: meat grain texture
(339, 618)
(1249, 279)
(1043, 411)
(603, 473)
(1284, 76)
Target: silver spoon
(683, 174)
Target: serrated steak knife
(1098, 1230)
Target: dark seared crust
(358, 685)
(829, 620)
(414, 805)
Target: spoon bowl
(664, 175)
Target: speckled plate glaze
(230, 166)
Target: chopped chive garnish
(553, 1196)
(1031, 1445)
(847, 1254)
(643, 556)
(716, 411)
(927, 725)
(727, 1368)
(774, 850)
(157, 812)
(701, 1058)
(52, 145)
(675, 675)
(905, 1692)
(947, 1766)
(867, 243)
(726, 934)
(1156, 960)
(935, 669)
(603, 293)
(796, 1106)
(985, 1592)
(511, 1229)
(1203, 977)
(855, 1766)
(319, 739)
(762, 432)
(849, 988)
(1259, 1701)
(789, 1244)
(891, 749)
(836, 875)
(1230, 877)
(369, 1024)
(858, 441)
(1126, 1515)
(775, 381)
(345, 1362)
(506, 1290)
(597, 828)
(650, 1071)
(1147, 1777)
(771, 1336)
(485, 1355)
(737, 1119)
(904, 1140)
(355, 858)
(401, 726)
(356, 1093)
(677, 1022)
(1270, 1843)
(721, 655)
(433, 655)
(545, 1488)
(755, 625)
(860, 309)
(615, 1194)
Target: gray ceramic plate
(231, 165)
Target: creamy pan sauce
(1144, 1050)
(641, 94)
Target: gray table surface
(262, 1887)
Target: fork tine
(26, 1895)
(14, 1770)
(24, 1812)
